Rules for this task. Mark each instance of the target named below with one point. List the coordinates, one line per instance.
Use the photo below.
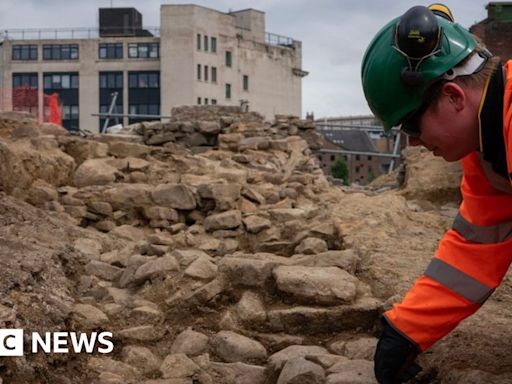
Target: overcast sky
(334, 34)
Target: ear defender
(417, 37)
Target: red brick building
(496, 30)
(362, 168)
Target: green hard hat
(397, 68)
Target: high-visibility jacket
(474, 255)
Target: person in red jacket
(428, 75)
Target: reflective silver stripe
(482, 234)
(456, 280)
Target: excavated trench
(215, 251)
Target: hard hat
(441, 10)
(406, 56)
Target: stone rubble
(208, 245)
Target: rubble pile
(199, 129)
(211, 246)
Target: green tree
(340, 171)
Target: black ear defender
(417, 37)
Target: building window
(214, 74)
(198, 41)
(24, 52)
(214, 44)
(369, 157)
(357, 169)
(229, 59)
(110, 82)
(144, 80)
(246, 82)
(65, 84)
(206, 73)
(144, 95)
(198, 71)
(60, 81)
(205, 43)
(111, 51)
(206, 100)
(60, 52)
(358, 157)
(228, 91)
(24, 92)
(143, 50)
(199, 100)
(214, 101)
(70, 112)
(24, 80)
(332, 158)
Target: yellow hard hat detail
(441, 10)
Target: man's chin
(451, 158)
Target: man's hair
(478, 79)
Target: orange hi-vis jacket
(474, 255)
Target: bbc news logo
(12, 342)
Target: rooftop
(351, 140)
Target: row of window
(333, 157)
(143, 79)
(143, 50)
(145, 109)
(50, 52)
(203, 74)
(141, 101)
(60, 52)
(24, 52)
(60, 81)
(206, 101)
(202, 43)
(206, 71)
(113, 80)
(70, 51)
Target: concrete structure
(197, 56)
(496, 30)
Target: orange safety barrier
(26, 99)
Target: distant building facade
(197, 56)
(363, 134)
(363, 168)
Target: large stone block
(176, 196)
(95, 172)
(232, 347)
(311, 320)
(225, 220)
(300, 370)
(324, 285)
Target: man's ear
(455, 94)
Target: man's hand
(394, 357)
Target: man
(428, 75)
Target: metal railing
(274, 39)
(74, 33)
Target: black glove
(394, 357)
